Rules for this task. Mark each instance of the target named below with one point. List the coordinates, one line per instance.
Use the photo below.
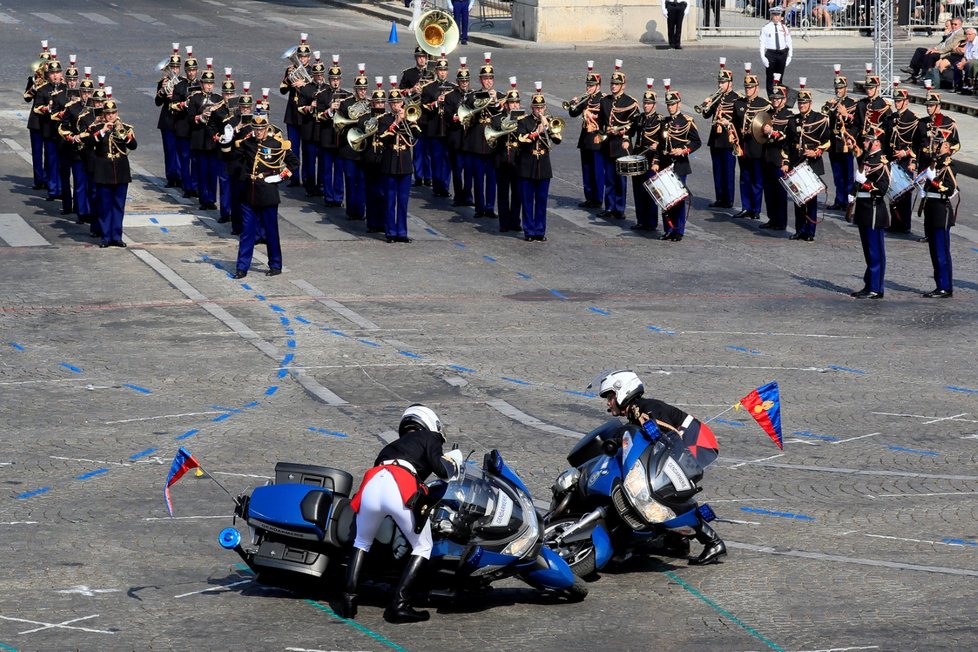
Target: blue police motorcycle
(629, 490)
(484, 528)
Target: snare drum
(666, 189)
(631, 166)
(802, 184)
(901, 182)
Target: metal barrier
(490, 10)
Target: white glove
(228, 135)
(859, 177)
(275, 178)
(400, 545)
(930, 174)
(765, 62)
(451, 6)
(851, 198)
(456, 458)
(787, 62)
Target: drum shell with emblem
(802, 184)
(632, 165)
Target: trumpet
(298, 71)
(829, 106)
(357, 139)
(567, 106)
(708, 102)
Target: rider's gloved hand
(456, 460)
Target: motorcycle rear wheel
(579, 555)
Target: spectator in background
(924, 59)
(460, 12)
(675, 12)
(711, 5)
(823, 10)
(968, 66)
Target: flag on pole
(764, 404)
(183, 461)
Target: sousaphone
(436, 32)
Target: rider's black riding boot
(713, 546)
(400, 610)
(348, 601)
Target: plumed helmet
(420, 416)
(625, 385)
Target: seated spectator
(823, 10)
(968, 66)
(926, 58)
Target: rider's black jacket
(657, 410)
(420, 448)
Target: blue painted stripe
(731, 423)
(335, 332)
(290, 344)
(599, 311)
(289, 357)
(188, 434)
(812, 435)
(408, 354)
(154, 220)
(137, 388)
(332, 433)
(91, 474)
(164, 229)
(71, 367)
(17, 346)
(576, 393)
(224, 409)
(975, 249)
(245, 286)
(524, 276)
(558, 294)
(284, 320)
(31, 494)
(289, 331)
(838, 368)
(962, 542)
(380, 638)
(743, 349)
(767, 512)
(515, 380)
(282, 373)
(222, 417)
(276, 308)
(144, 453)
(911, 450)
(430, 230)
(301, 319)
(368, 342)
(260, 297)
(460, 245)
(8, 648)
(464, 370)
(249, 405)
(271, 390)
(660, 330)
(490, 259)
(961, 389)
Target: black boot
(400, 610)
(713, 546)
(348, 601)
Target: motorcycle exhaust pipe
(585, 521)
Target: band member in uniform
(751, 151)
(537, 136)
(291, 83)
(46, 100)
(871, 182)
(506, 161)
(66, 152)
(179, 101)
(371, 158)
(85, 129)
(775, 160)
(723, 136)
(809, 138)
(648, 137)
(330, 164)
(203, 148)
(307, 105)
(615, 116)
(240, 124)
(164, 95)
(356, 193)
(939, 141)
(113, 140)
(266, 160)
(842, 122)
(455, 136)
(871, 110)
(901, 149)
(221, 116)
(589, 142)
(71, 152)
(680, 138)
(413, 81)
(34, 84)
(433, 132)
(480, 154)
(399, 135)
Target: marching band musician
(842, 119)
(809, 139)
(475, 145)
(72, 150)
(775, 159)
(34, 84)
(184, 88)
(356, 194)
(455, 135)
(413, 80)
(290, 87)
(398, 135)
(615, 116)
(113, 140)
(306, 104)
(869, 213)
(938, 137)
(46, 99)
(164, 95)
(723, 137)
(330, 164)
(220, 117)
(66, 151)
(265, 161)
(240, 124)
(648, 135)
(751, 151)
(680, 138)
(901, 149)
(85, 128)
(537, 137)
(872, 109)
(371, 158)
(433, 131)
(589, 143)
(203, 149)
(506, 161)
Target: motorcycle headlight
(636, 486)
(531, 532)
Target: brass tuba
(298, 71)
(436, 32)
(357, 139)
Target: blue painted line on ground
(408, 354)
(975, 249)
(524, 276)
(490, 259)
(188, 434)
(912, 450)
(368, 342)
(276, 308)
(224, 409)
(301, 319)
(249, 405)
(154, 220)
(331, 433)
(31, 494)
(289, 331)
(222, 417)
(812, 435)
(245, 286)
(271, 390)
(91, 474)
(577, 393)
(289, 357)
(558, 294)
(260, 297)
(838, 368)
(430, 230)
(961, 389)
(464, 370)
(515, 380)
(962, 542)
(205, 257)
(767, 512)
(335, 332)
(144, 453)
(164, 229)
(660, 330)
(460, 245)
(282, 373)
(284, 320)
(17, 346)
(599, 311)
(219, 266)
(731, 423)
(743, 349)
(7, 648)
(290, 344)
(71, 367)
(380, 638)
(137, 388)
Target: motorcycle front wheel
(579, 555)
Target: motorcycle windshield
(481, 508)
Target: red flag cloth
(764, 404)
(183, 461)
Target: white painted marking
(731, 366)
(52, 380)
(98, 18)
(240, 20)
(975, 436)
(193, 19)
(587, 220)
(802, 441)
(935, 543)
(773, 334)
(925, 423)
(162, 219)
(456, 381)
(87, 461)
(182, 518)
(763, 459)
(51, 18)
(360, 366)
(82, 589)
(164, 416)
(734, 521)
(743, 500)
(335, 306)
(845, 649)
(8, 19)
(920, 416)
(842, 441)
(419, 229)
(305, 649)
(146, 18)
(344, 25)
(851, 471)
(215, 589)
(939, 493)
(16, 232)
(289, 22)
(244, 475)
(518, 415)
(62, 625)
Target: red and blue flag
(764, 404)
(183, 461)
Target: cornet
(567, 106)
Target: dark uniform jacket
(182, 93)
(110, 156)
(871, 211)
(659, 411)
(422, 449)
(165, 120)
(809, 131)
(648, 136)
(507, 148)
(200, 136)
(344, 149)
(46, 103)
(263, 159)
(901, 130)
(373, 154)
(744, 112)
(328, 136)
(678, 131)
(454, 131)
(534, 156)
(938, 212)
(615, 119)
(590, 138)
(474, 138)
(871, 112)
(306, 97)
(837, 122)
(398, 144)
(68, 151)
(432, 113)
(30, 95)
(722, 112)
(291, 107)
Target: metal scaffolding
(883, 19)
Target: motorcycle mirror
(610, 448)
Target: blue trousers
(330, 175)
(939, 243)
(67, 194)
(421, 158)
(310, 155)
(376, 190)
(397, 187)
(461, 176)
(724, 167)
(775, 196)
(842, 175)
(534, 194)
(237, 221)
(292, 131)
(112, 209)
(646, 210)
(615, 186)
(188, 173)
(874, 251)
(356, 194)
(460, 12)
(259, 222)
(751, 184)
(806, 217)
(171, 158)
(206, 164)
(37, 158)
(441, 166)
(52, 168)
(674, 219)
(508, 195)
(224, 186)
(484, 180)
(83, 191)
(592, 175)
